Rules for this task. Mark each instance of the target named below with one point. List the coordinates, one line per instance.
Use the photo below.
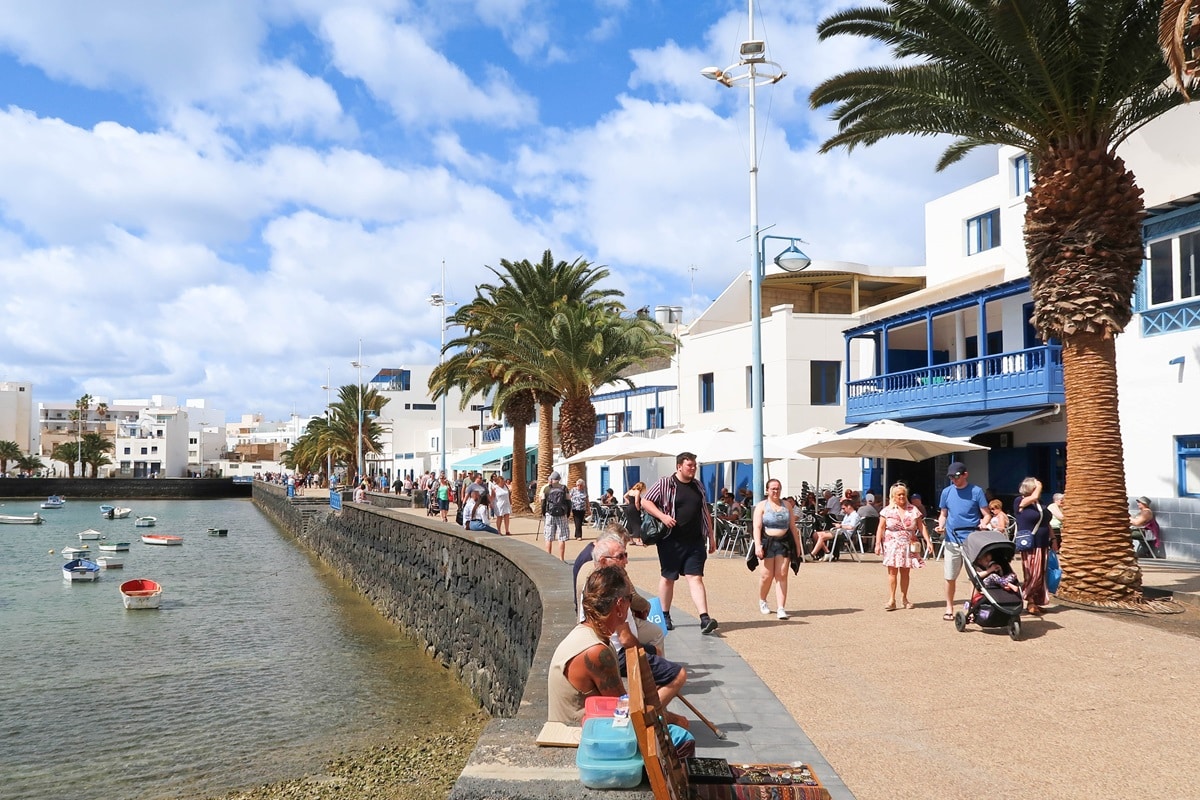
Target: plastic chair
(842, 535)
(1138, 535)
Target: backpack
(556, 503)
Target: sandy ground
(1084, 705)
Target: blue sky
(218, 200)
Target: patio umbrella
(621, 447)
(720, 445)
(801, 439)
(886, 439)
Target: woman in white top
(502, 504)
(475, 514)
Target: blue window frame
(983, 232)
(1020, 167)
(707, 393)
(1187, 449)
(654, 418)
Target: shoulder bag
(653, 531)
(1023, 541)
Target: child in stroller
(996, 600)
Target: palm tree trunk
(577, 432)
(545, 440)
(520, 486)
(1099, 565)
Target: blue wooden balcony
(1020, 379)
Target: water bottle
(621, 712)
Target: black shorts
(775, 546)
(682, 556)
(664, 671)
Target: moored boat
(141, 593)
(106, 511)
(218, 531)
(80, 569)
(120, 512)
(110, 562)
(115, 547)
(76, 552)
(161, 538)
(18, 519)
(90, 535)
(145, 522)
(54, 501)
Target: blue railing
(991, 383)
(1179, 317)
(491, 436)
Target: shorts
(443, 505)
(954, 560)
(557, 529)
(775, 546)
(679, 556)
(664, 671)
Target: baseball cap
(870, 497)
(554, 476)
(956, 469)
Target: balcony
(1005, 381)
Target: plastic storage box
(597, 706)
(620, 773)
(600, 740)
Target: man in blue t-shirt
(963, 508)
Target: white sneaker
(782, 614)
(762, 607)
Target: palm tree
(9, 451)
(1067, 82)
(67, 453)
(30, 464)
(341, 434)
(1179, 38)
(95, 449)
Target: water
(260, 665)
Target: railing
(491, 436)
(991, 383)
(1178, 317)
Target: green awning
(484, 459)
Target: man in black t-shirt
(678, 501)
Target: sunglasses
(619, 557)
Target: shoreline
(415, 767)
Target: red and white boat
(161, 538)
(141, 593)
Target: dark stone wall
(123, 488)
(490, 608)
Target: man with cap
(556, 508)
(964, 508)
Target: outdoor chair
(841, 537)
(936, 540)
(732, 537)
(1138, 535)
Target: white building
(16, 414)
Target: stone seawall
(123, 488)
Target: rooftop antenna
(692, 295)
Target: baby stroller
(989, 606)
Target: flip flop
(890, 607)
(948, 616)
(909, 606)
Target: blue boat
(80, 569)
(54, 501)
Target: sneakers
(708, 626)
(763, 607)
(667, 619)
(782, 614)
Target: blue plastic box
(619, 773)
(601, 741)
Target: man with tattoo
(585, 663)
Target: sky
(220, 200)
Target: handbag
(1023, 541)
(1053, 573)
(653, 531)
(914, 548)
(751, 558)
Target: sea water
(259, 666)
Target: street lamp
(438, 300)
(753, 70)
(359, 364)
(328, 453)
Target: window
(424, 407)
(613, 423)
(1188, 450)
(1020, 167)
(707, 398)
(654, 418)
(1189, 264)
(126, 451)
(143, 451)
(1173, 271)
(825, 382)
(983, 232)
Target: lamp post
(439, 300)
(753, 70)
(359, 364)
(328, 453)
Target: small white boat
(54, 501)
(161, 538)
(110, 562)
(145, 522)
(76, 552)
(17, 519)
(141, 593)
(115, 547)
(120, 512)
(80, 569)
(218, 531)
(90, 535)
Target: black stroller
(989, 606)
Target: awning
(488, 458)
(964, 426)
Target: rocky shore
(419, 767)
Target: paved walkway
(900, 705)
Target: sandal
(908, 605)
(890, 607)
(949, 615)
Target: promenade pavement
(898, 704)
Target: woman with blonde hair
(633, 507)
(999, 521)
(901, 527)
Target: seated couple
(586, 663)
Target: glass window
(983, 232)
(1020, 166)
(825, 382)
(1188, 451)
(707, 394)
(1189, 265)
(654, 418)
(1161, 272)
